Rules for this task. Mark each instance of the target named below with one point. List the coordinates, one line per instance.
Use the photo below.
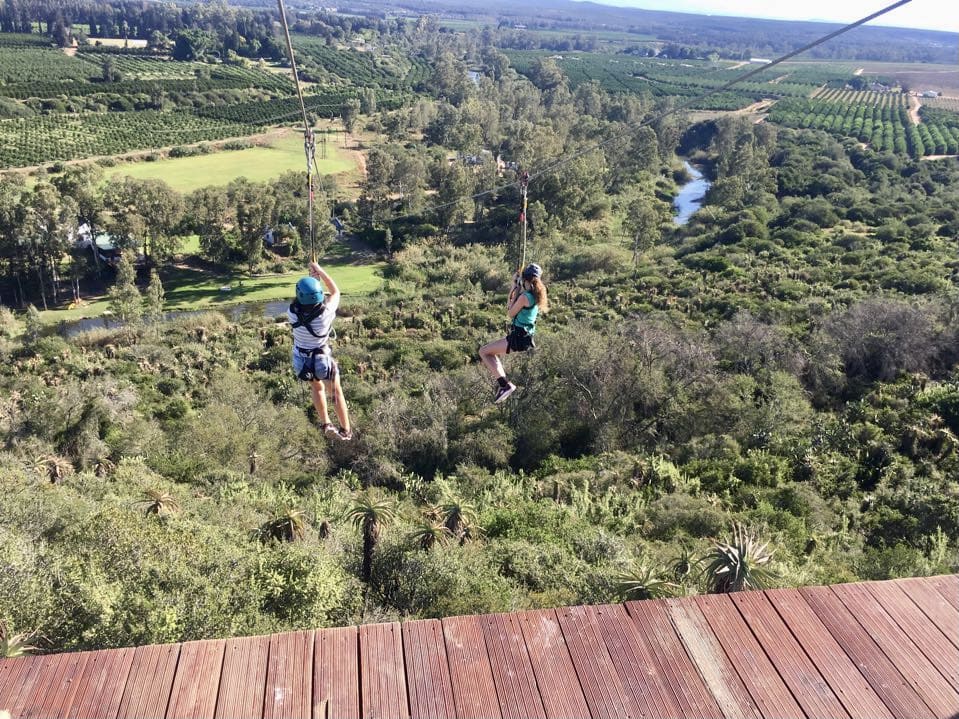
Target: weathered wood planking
(882, 675)
(336, 674)
(935, 645)
(602, 687)
(714, 666)
(797, 670)
(53, 694)
(559, 687)
(197, 680)
(948, 587)
(427, 670)
(934, 689)
(382, 673)
(474, 691)
(642, 676)
(512, 671)
(765, 686)
(839, 670)
(933, 605)
(100, 686)
(148, 686)
(689, 690)
(23, 675)
(289, 676)
(243, 678)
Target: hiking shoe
(504, 392)
(344, 435)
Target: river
(690, 196)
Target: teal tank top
(526, 317)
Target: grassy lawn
(186, 174)
(192, 289)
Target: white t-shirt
(321, 325)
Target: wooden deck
(861, 651)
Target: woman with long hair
(527, 299)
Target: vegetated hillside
(786, 362)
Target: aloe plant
(741, 563)
(643, 582)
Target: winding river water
(690, 196)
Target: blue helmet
(532, 271)
(309, 291)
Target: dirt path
(914, 106)
(756, 107)
(738, 65)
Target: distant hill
(746, 35)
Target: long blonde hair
(538, 289)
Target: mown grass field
(258, 164)
(192, 289)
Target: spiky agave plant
(427, 533)
(13, 645)
(643, 582)
(741, 563)
(287, 526)
(158, 502)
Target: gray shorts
(309, 367)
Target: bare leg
(319, 401)
(490, 354)
(339, 402)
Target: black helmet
(532, 271)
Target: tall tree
(50, 225)
(253, 209)
(125, 300)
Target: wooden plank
(604, 691)
(933, 605)
(336, 674)
(19, 685)
(689, 690)
(54, 698)
(559, 687)
(948, 586)
(840, 672)
(474, 692)
(935, 645)
(197, 680)
(243, 678)
(714, 666)
(765, 686)
(934, 689)
(289, 676)
(635, 660)
(382, 674)
(102, 683)
(47, 685)
(147, 692)
(512, 670)
(427, 670)
(808, 687)
(882, 675)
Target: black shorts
(519, 340)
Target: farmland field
(879, 119)
(264, 162)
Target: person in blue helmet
(527, 299)
(311, 317)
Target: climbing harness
(305, 319)
(309, 141)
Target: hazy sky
(931, 14)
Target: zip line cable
(309, 142)
(565, 160)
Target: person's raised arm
(519, 300)
(321, 274)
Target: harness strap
(305, 319)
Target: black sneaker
(504, 392)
